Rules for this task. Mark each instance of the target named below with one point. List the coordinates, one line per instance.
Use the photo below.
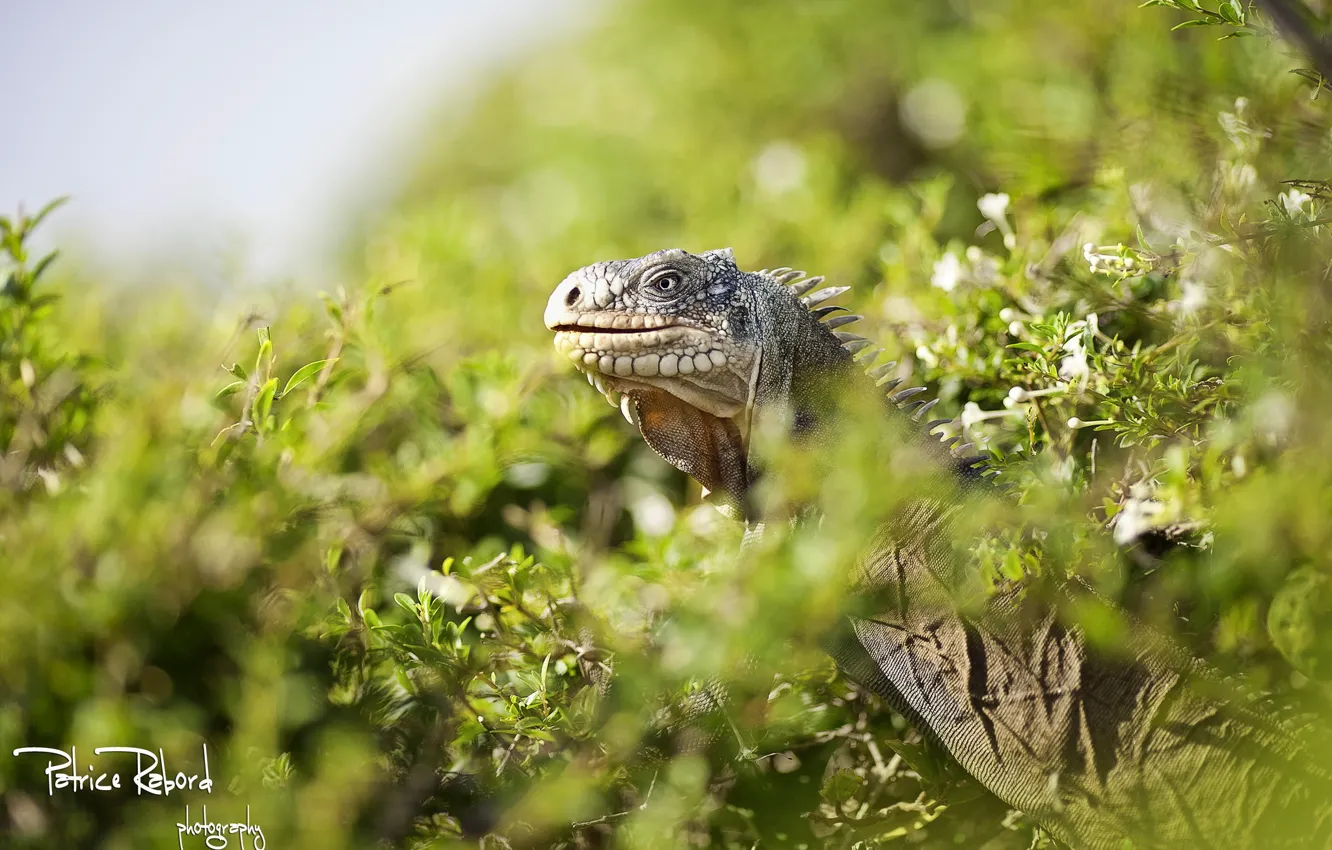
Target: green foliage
(409, 579)
(46, 402)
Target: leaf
(303, 374)
(1197, 22)
(42, 265)
(265, 356)
(406, 603)
(841, 786)
(238, 370)
(32, 223)
(230, 389)
(228, 432)
(263, 402)
(1027, 346)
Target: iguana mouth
(667, 350)
(594, 329)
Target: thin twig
(617, 815)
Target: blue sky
(240, 131)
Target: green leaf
(1197, 22)
(263, 402)
(231, 389)
(238, 370)
(303, 374)
(42, 265)
(44, 212)
(228, 432)
(265, 356)
(841, 786)
(333, 308)
(406, 603)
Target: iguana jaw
(687, 362)
(688, 390)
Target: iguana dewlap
(1097, 748)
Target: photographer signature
(150, 775)
(66, 773)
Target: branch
(1291, 20)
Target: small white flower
(1108, 259)
(984, 268)
(1273, 417)
(1294, 201)
(994, 206)
(1239, 465)
(1063, 469)
(1242, 177)
(1074, 367)
(972, 414)
(935, 112)
(1136, 518)
(1192, 298)
(779, 168)
(947, 272)
(652, 512)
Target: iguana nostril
(572, 298)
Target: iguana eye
(666, 283)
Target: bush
(409, 581)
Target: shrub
(409, 581)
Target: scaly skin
(1097, 747)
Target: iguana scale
(1097, 747)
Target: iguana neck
(807, 376)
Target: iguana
(1097, 746)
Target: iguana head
(693, 349)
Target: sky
(242, 135)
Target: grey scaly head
(693, 350)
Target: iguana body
(1098, 748)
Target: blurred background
(244, 138)
(289, 468)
